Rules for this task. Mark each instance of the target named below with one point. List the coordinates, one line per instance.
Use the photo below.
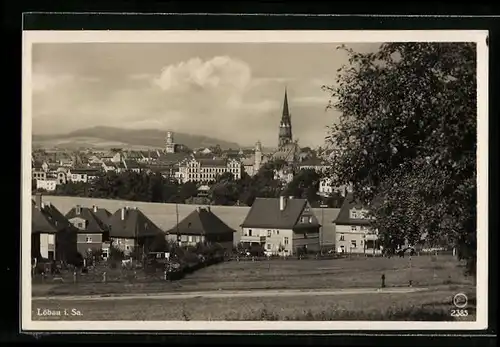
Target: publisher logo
(460, 300)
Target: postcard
(254, 180)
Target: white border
(30, 37)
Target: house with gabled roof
(202, 225)
(283, 225)
(101, 213)
(353, 232)
(131, 229)
(53, 237)
(132, 165)
(92, 231)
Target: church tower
(169, 143)
(258, 157)
(285, 131)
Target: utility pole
(322, 227)
(177, 223)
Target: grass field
(356, 272)
(440, 275)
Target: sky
(228, 91)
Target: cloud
(217, 96)
(42, 81)
(221, 73)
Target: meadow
(440, 276)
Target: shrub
(115, 253)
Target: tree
(406, 140)
(188, 190)
(304, 185)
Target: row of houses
(281, 226)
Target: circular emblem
(460, 300)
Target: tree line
(226, 190)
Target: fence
(111, 272)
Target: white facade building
(207, 170)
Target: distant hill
(107, 137)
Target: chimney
(123, 213)
(282, 203)
(38, 201)
(94, 207)
(78, 209)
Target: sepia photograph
(240, 180)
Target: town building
(169, 143)
(48, 184)
(352, 229)
(283, 226)
(83, 174)
(53, 237)
(207, 170)
(131, 229)
(202, 226)
(253, 163)
(315, 164)
(92, 232)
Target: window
(304, 219)
(268, 246)
(80, 225)
(361, 243)
(307, 209)
(286, 241)
(354, 228)
(353, 243)
(354, 214)
(250, 232)
(341, 237)
(269, 233)
(277, 232)
(190, 238)
(88, 239)
(50, 239)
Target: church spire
(285, 130)
(286, 113)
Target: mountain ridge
(104, 136)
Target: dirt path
(232, 294)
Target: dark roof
(94, 223)
(135, 224)
(48, 219)
(172, 157)
(201, 222)
(85, 170)
(265, 213)
(132, 164)
(344, 217)
(103, 215)
(312, 162)
(212, 162)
